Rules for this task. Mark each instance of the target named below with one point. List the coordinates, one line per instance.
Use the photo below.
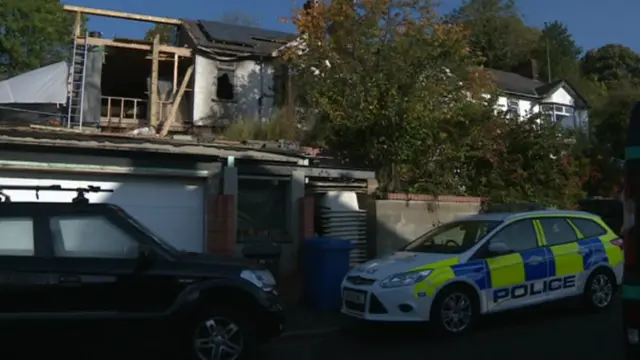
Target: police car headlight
(260, 278)
(405, 279)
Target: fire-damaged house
(211, 73)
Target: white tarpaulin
(46, 85)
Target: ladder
(77, 74)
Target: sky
(586, 19)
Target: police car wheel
(599, 290)
(454, 310)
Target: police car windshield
(452, 238)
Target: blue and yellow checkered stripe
(513, 269)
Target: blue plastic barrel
(326, 262)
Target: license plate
(354, 297)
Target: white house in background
(525, 96)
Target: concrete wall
(252, 81)
(403, 217)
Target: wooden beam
(176, 60)
(162, 57)
(176, 102)
(77, 25)
(154, 81)
(184, 52)
(122, 15)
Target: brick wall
(221, 224)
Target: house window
(513, 108)
(560, 114)
(564, 115)
(225, 85)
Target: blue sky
(586, 19)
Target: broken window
(225, 87)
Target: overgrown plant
(278, 127)
(388, 78)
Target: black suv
(93, 264)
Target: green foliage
(612, 63)
(562, 50)
(33, 33)
(497, 32)
(279, 127)
(380, 81)
(166, 32)
(398, 90)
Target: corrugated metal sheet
(339, 216)
(350, 226)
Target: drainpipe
(261, 88)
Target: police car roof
(524, 214)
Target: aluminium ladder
(77, 72)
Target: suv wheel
(221, 335)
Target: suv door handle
(69, 280)
(535, 260)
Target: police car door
(517, 273)
(565, 261)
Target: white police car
(487, 263)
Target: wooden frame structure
(155, 49)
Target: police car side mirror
(499, 248)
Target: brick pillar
(291, 285)
(306, 208)
(221, 227)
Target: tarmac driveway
(560, 331)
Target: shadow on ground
(557, 331)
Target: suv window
(91, 236)
(519, 236)
(16, 236)
(589, 228)
(557, 231)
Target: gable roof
(520, 85)
(214, 35)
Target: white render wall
(251, 81)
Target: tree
(563, 52)
(612, 63)
(33, 33)
(390, 82)
(239, 18)
(534, 161)
(166, 32)
(497, 32)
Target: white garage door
(173, 209)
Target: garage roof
(83, 140)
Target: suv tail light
(629, 228)
(630, 253)
(619, 243)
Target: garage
(172, 208)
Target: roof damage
(213, 35)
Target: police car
(487, 263)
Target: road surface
(560, 331)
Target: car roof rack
(79, 199)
